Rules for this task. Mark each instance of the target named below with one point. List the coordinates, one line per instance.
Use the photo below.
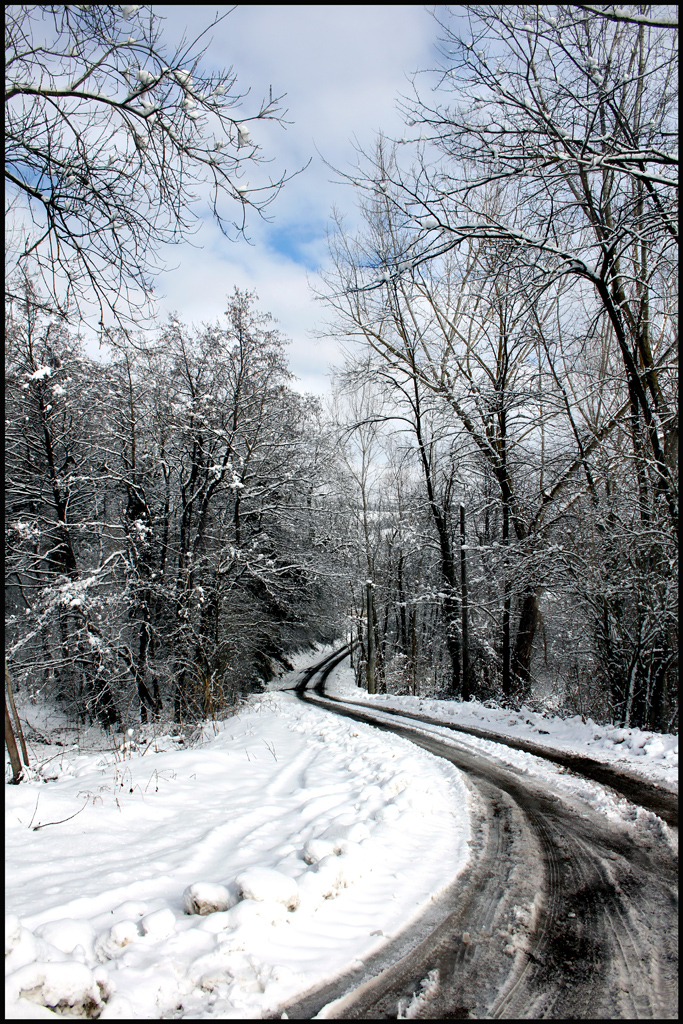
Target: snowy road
(562, 913)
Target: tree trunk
(401, 617)
(12, 748)
(506, 682)
(361, 663)
(466, 680)
(143, 693)
(506, 495)
(450, 605)
(413, 649)
(15, 715)
(526, 630)
(371, 638)
(179, 698)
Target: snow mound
(316, 849)
(296, 830)
(112, 942)
(390, 812)
(251, 911)
(12, 932)
(397, 784)
(653, 755)
(267, 884)
(206, 898)
(67, 935)
(419, 1002)
(335, 872)
(68, 987)
(159, 925)
(22, 947)
(341, 835)
(328, 878)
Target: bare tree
(361, 453)
(539, 399)
(458, 336)
(569, 117)
(111, 142)
(521, 270)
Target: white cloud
(198, 288)
(342, 68)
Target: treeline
(509, 304)
(578, 612)
(518, 531)
(179, 520)
(166, 547)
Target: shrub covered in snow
(206, 898)
(69, 935)
(316, 849)
(249, 911)
(267, 884)
(159, 925)
(112, 943)
(69, 988)
(341, 835)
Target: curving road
(561, 913)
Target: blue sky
(342, 68)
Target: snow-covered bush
(267, 884)
(70, 988)
(207, 898)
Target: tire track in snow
(291, 776)
(635, 788)
(600, 940)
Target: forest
(486, 506)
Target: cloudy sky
(342, 68)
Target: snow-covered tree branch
(113, 141)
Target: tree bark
(15, 715)
(506, 682)
(450, 604)
(12, 748)
(371, 638)
(526, 630)
(466, 680)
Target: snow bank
(223, 879)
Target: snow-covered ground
(652, 755)
(297, 840)
(222, 876)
